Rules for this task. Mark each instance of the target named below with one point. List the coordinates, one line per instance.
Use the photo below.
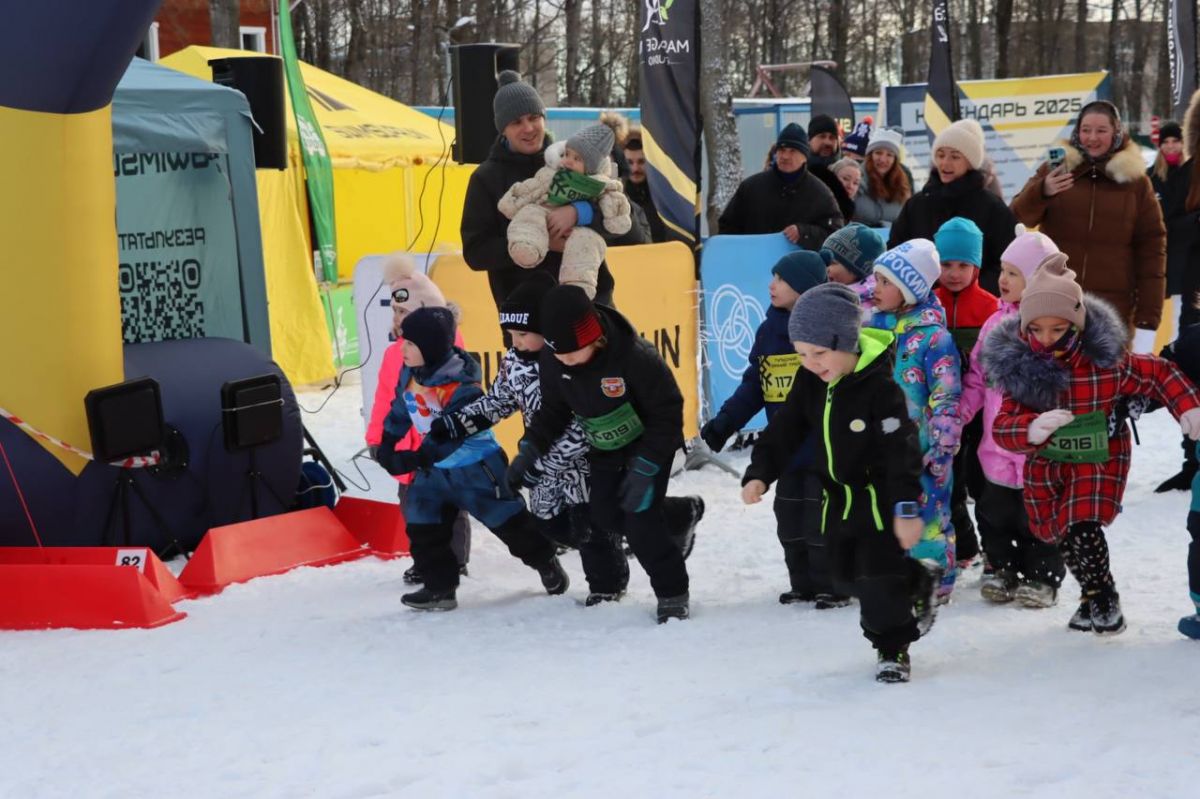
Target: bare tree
(1004, 15)
(716, 97)
(225, 17)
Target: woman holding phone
(1099, 208)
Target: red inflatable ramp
(141, 558)
(239, 552)
(378, 525)
(43, 596)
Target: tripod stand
(125, 487)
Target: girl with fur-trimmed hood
(1099, 208)
(1064, 366)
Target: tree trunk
(357, 47)
(1004, 14)
(1114, 73)
(1081, 13)
(574, 31)
(225, 18)
(974, 40)
(720, 128)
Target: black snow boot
(925, 603)
(795, 597)
(893, 666)
(1081, 619)
(1105, 609)
(424, 599)
(682, 515)
(554, 577)
(1179, 482)
(596, 597)
(672, 607)
(828, 601)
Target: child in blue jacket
(765, 384)
(466, 474)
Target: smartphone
(1055, 156)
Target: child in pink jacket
(1019, 566)
(410, 289)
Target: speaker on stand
(261, 80)
(473, 70)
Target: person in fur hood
(1065, 368)
(574, 172)
(1099, 208)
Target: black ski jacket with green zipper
(625, 398)
(867, 448)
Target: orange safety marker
(36, 596)
(378, 525)
(141, 558)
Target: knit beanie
(1170, 130)
(1028, 250)
(569, 320)
(886, 139)
(829, 315)
(855, 247)
(960, 239)
(593, 144)
(1052, 291)
(966, 136)
(514, 99)
(801, 270)
(432, 330)
(857, 141)
(522, 308)
(822, 123)
(913, 266)
(411, 289)
(793, 136)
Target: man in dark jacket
(596, 369)
(517, 155)
(785, 198)
(637, 188)
(824, 138)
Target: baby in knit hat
(927, 369)
(575, 174)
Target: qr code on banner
(160, 300)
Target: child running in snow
(467, 474)
(598, 371)
(558, 481)
(1019, 566)
(927, 369)
(1187, 356)
(766, 383)
(849, 253)
(1064, 366)
(968, 305)
(410, 290)
(869, 460)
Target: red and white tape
(135, 462)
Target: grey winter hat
(593, 143)
(828, 315)
(514, 99)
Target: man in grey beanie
(518, 153)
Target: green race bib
(568, 187)
(1084, 440)
(613, 430)
(778, 372)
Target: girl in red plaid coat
(1067, 374)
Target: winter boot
(925, 600)
(999, 587)
(795, 597)
(893, 666)
(554, 578)
(1178, 482)
(672, 607)
(1105, 609)
(1190, 626)
(413, 576)
(424, 599)
(1081, 619)
(828, 601)
(1036, 594)
(596, 597)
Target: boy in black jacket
(597, 369)
(870, 462)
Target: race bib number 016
(1084, 440)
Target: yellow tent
(394, 188)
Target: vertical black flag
(941, 95)
(669, 58)
(1181, 27)
(829, 96)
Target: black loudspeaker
(125, 419)
(252, 412)
(474, 68)
(261, 80)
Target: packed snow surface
(319, 683)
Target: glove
(637, 489)
(383, 453)
(1190, 423)
(408, 460)
(447, 427)
(522, 465)
(716, 432)
(1042, 427)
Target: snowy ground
(318, 683)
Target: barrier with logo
(735, 272)
(656, 291)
